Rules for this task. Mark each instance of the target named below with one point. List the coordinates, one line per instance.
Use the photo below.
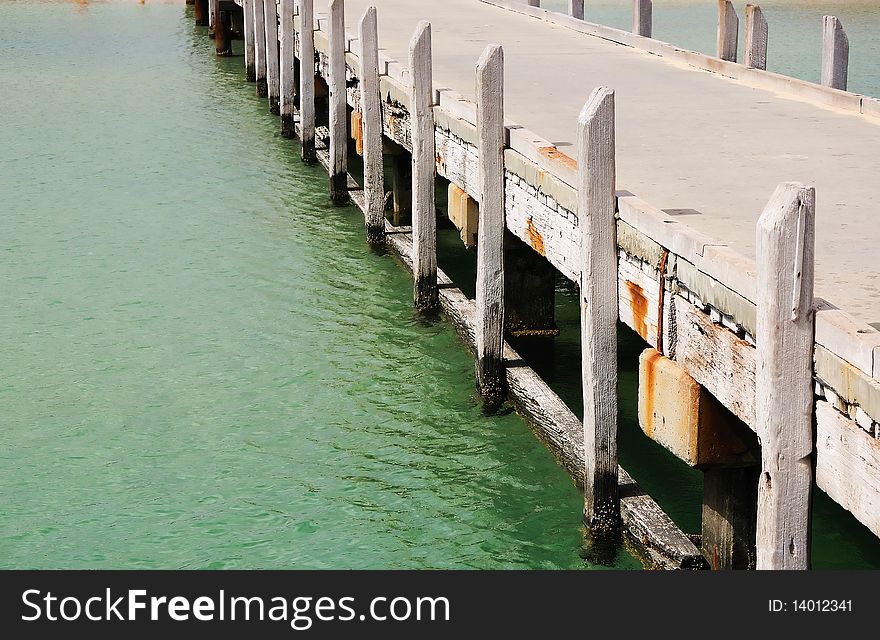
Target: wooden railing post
(576, 9)
(756, 38)
(307, 79)
(273, 81)
(728, 30)
(425, 294)
(490, 233)
(371, 108)
(288, 81)
(784, 377)
(598, 291)
(338, 106)
(248, 13)
(643, 17)
(260, 48)
(835, 53)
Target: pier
(722, 212)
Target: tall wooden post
(728, 30)
(260, 47)
(643, 17)
(576, 9)
(222, 32)
(489, 323)
(371, 106)
(598, 231)
(286, 55)
(273, 80)
(307, 79)
(756, 38)
(784, 376)
(211, 8)
(338, 106)
(424, 216)
(835, 53)
(201, 13)
(248, 13)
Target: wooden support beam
(643, 17)
(596, 209)
(371, 118)
(338, 106)
(729, 517)
(425, 294)
(576, 9)
(784, 376)
(756, 38)
(273, 79)
(490, 234)
(287, 56)
(248, 12)
(201, 13)
(260, 48)
(223, 32)
(728, 30)
(835, 53)
(307, 80)
(211, 9)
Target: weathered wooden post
(287, 54)
(576, 9)
(307, 79)
(338, 106)
(490, 235)
(248, 13)
(424, 216)
(598, 290)
(371, 106)
(784, 376)
(211, 8)
(643, 17)
(201, 13)
(756, 38)
(260, 47)
(222, 31)
(835, 53)
(273, 80)
(728, 30)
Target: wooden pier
(666, 195)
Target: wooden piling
(756, 38)
(371, 108)
(307, 80)
(201, 13)
(534, 3)
(490, 234)
(835, 53)
(273, 79)
(211, 9)
(728, 30)
(338, 106)
(424, 217)
(784, 377)
(729, 516)
(260, 48)
(643, 17)
(576, 9)
(222, 31)
(596, 219)
(248, 13)
(401, 188)
(286, 56)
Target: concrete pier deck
(691, 142)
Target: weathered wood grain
(371, 108)
(784, 377)
(643, 17)
(756, 38)
(598, 293)
(307, 79)
(728, 31)
(248, 14)
(490, 234)
(338, 106)
(835, 53)
(424, 215)
(260, 47)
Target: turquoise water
(795, 31)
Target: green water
(795, 31)
(204, 366)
